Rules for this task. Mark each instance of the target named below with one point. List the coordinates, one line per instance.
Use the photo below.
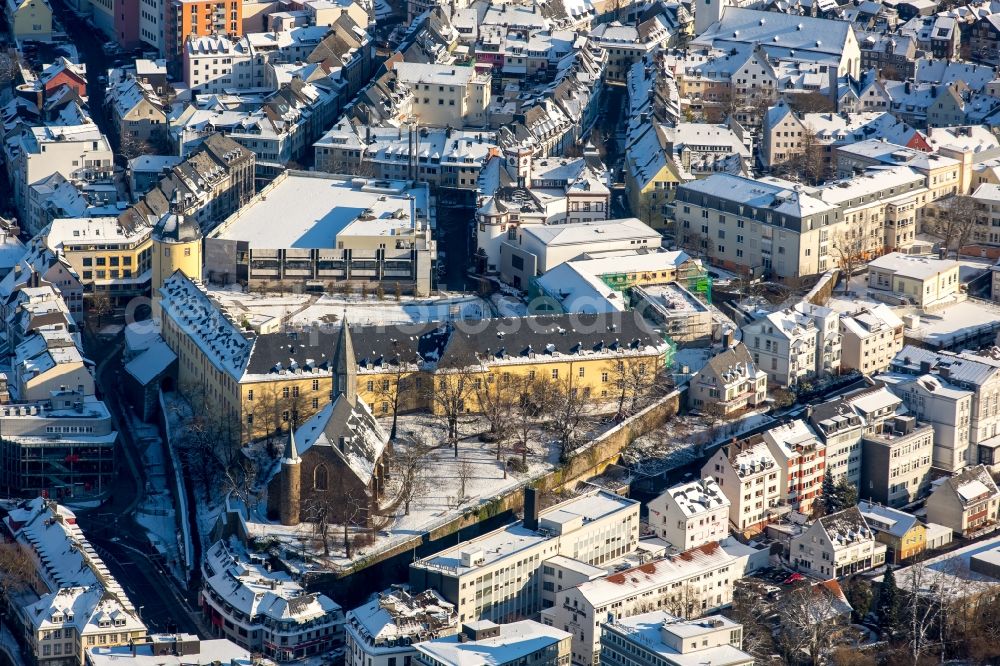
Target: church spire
(291, 456)
(345, 364)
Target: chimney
(530, 509)
(925, 367)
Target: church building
(338, 459)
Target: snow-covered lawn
(304, 309)
(440, 500)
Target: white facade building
(748, 475)
(837, 545)
(499, 574)
(690, 514)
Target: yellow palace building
(255, 385)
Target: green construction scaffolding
(697, 282)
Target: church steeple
(345, 365)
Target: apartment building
(446, 95)
(389, 627)
(756, 227)
(942, 174)
(972, 372)
(689, 585)
(837, 545)
(201, 18)
(881, 209)
(903, 535)
(659, 638)
(484, 643)
(748, 475)
(730, 383)
(80, 153)
(916, 280)
(266, 611)
(216, 64)
(967, 502)
(498, 575)
(897, 457)
(343, 231)
(628, 44)
(948, 409)
(802, 457)
(795, 344)
(396, 153)
(690, 514)
(841, 428)
(74, 603)
(871, 338)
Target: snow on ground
(442, 500)
(157, 514)
(509, 305)
(304, 309)
(683, 440)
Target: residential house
(872, 337)
(690, 514)
(802, 457)
(748, 475)
(836, 545)
(729, 383)
(903, 535)
(967, 502)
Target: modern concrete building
(483, 643)
(896, 457)
(920, 281)
(871, 339)
(499, 574)
(335, 231)
(658, 638)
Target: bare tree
(450, 395)
(8, 68)
(567, 409)
(809, 622)
(636, 380)
(849, 248)
(18, 569)
(812, 162)
(955, 222)
(99, 305)
(351, 507)
(388, 388)
(750, 608)
(410, 461)
(321, 511)
(496, 400)
(131, 146)
(529, 396)
(464, 472)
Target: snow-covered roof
(911, 266)
(662, 634)
(396, 615)
(151, 363)
(317, 209)
(82, 593)
(654, 575)
(515, 641)
(552, 235)
(972, 485)
(205, 324)
(249, 587)
(793, 438)
(886, 519)
(158, 650)
(514, 538)
(350, 431)
(795, 201)
(698, 496)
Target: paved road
(90, 43)
(122, 543)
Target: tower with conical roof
(176, 246)
(345, 365)
(291, 483)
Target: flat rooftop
(509, 540)
(303, 210)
